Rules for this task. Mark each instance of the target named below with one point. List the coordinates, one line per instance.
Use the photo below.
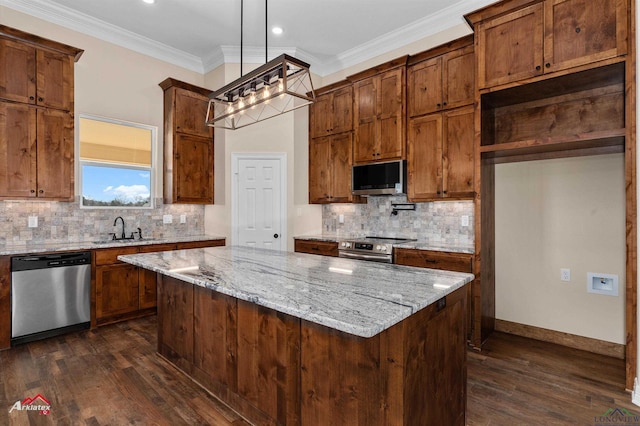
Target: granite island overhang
(290, 338)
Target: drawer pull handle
(430, 261)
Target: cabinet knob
(538, 68)
(41, 191)
(548, 65)
(444, 103)
(31, 98)
(444, 192)
(33, 191)
(40, 99)
(438, 105)
(578, 30)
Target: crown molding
(415, 31)
(88, 25)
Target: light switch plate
(183, 218)
(565, 274)
(167, 218)
(464, 221)
(33, 221)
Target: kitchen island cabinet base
(274, 368)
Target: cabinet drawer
(156, 247)
(201, 244)
(110, 256)
(458, 262)
(325, 248)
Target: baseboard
(588, 344)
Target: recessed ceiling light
(149, 1)
(276, 30)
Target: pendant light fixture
(279, 86)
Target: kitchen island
(289, 338)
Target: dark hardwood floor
(112, 376)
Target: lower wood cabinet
(124, 291)
(325, 248)
(449, 261)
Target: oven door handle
(382, 257)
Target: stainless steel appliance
(49, 295)
(376, 249)
(386, 178)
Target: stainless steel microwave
(388, 178)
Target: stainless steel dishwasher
(50, 295)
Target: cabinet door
(391, 115)
(320, 170)
(510, 47)
(116, 290)
(17, 71)
(320, 114)
(55, 154)
(54, 80)
(342, 114)
(193, 169)
(457, 152)
(579, 32)
(424, 159)
(365, 120)
(424, 82)
(17, 150)
(148, 288)
(190, 113)
(458, 81)
(341, 163)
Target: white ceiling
(202, 34)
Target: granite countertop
(418, 245)
(356, 297)
(13, 249)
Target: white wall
(563, 213)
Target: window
(116, 163)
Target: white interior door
(258, 198)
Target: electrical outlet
(464, 221)
(340, 218)
(183, 218)
(565, 274)
(33, 221)
(167, 218)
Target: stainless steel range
(376, 249)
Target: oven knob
(378, 248)
(344, 244)
(348, 245)
(384, 248)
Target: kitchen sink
(110, 241)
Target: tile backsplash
(435, 222)
(67, 222)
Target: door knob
(275, 235)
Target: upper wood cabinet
(36, 117)
(549, 36)
(330, 161)
(188, 144)
(379, 109)
(440, 156)
(331, 113)
(442, 82)
(36, 76)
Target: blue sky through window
(115, 185)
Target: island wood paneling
(277, 369)
(175, 322)
(325, 248)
